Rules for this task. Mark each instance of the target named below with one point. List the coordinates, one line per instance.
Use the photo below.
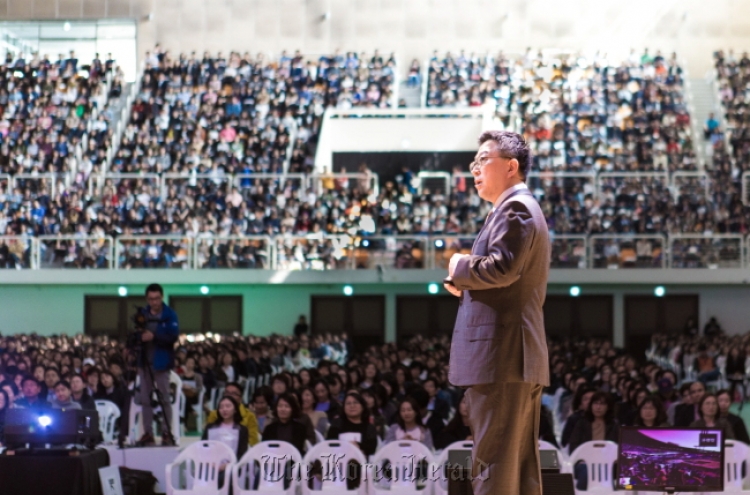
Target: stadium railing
(346, 252)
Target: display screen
(671, 459)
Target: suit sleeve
(508, 249)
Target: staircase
(703, 102)
(411, 95)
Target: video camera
(134, 340)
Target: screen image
(686, 459)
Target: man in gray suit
(499, 349)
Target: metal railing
(627, 251)
(706, 251)
(344, 252)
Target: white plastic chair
(438, 470)
(404, 456)
(272, 458)
(599, 458)
(319, 437)
(202, 461)
(108, 414)
(735, 453)
(334, 456)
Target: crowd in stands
(207, 118)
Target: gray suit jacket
(499, 332)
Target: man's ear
(513, 167)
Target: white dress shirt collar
(518, 187)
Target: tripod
(148, 376)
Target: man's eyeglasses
(483, 160)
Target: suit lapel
(492, 213)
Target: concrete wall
(48, 309)
(413, 28)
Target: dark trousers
(504, 420)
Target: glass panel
(154, 253)
(629, 252)
(75, 253)
(568, 253)
(233, 253)
(707, 253)
(15, 252)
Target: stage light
(348, 290)
(439, 243)
(575, 291)
(433, 288)
(204, 289)
(45, 421)
(659, 291)
(365, 243)
(122, 291)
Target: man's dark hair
(155, 288)
(64, 383)
(512, 145)
(235, 385)
(31, 378)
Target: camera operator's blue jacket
(166, 335)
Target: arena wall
(413, 28)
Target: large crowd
(302, 389)
(198, 122)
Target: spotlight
(204, 289)
(365, 243)
(439, 243)
(45, 421)
(659, 291)
(575, 291)
(348, 290)
(433, 288)
(122, 291)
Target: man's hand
(452, 289)
(453, 262)
(147, 336)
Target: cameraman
(159, 333)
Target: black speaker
(558, 484)
(52, 426)
(553, 482)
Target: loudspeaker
(558, 484)
(52, 426)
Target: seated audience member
(81, 394)
(354, 425)
(192, 384)
(63, 399)
(286, 425)
(580, 406)
(51, 377)
(11, 390)
(93, 381)
(409, 425)
(319, 419)
(373, 400)
(227, 427)
(431, 421)
(710, 416)
(457, 430)
(547, 426)
(597, 424)
(325, 402)
(705, 366)
(262, 399)
(111, 390)
(651, 413)
(31, 390)
(247, 417)
(436, 405)
(683, 397)
(734, 370)
(724, 398)
(688, 412)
